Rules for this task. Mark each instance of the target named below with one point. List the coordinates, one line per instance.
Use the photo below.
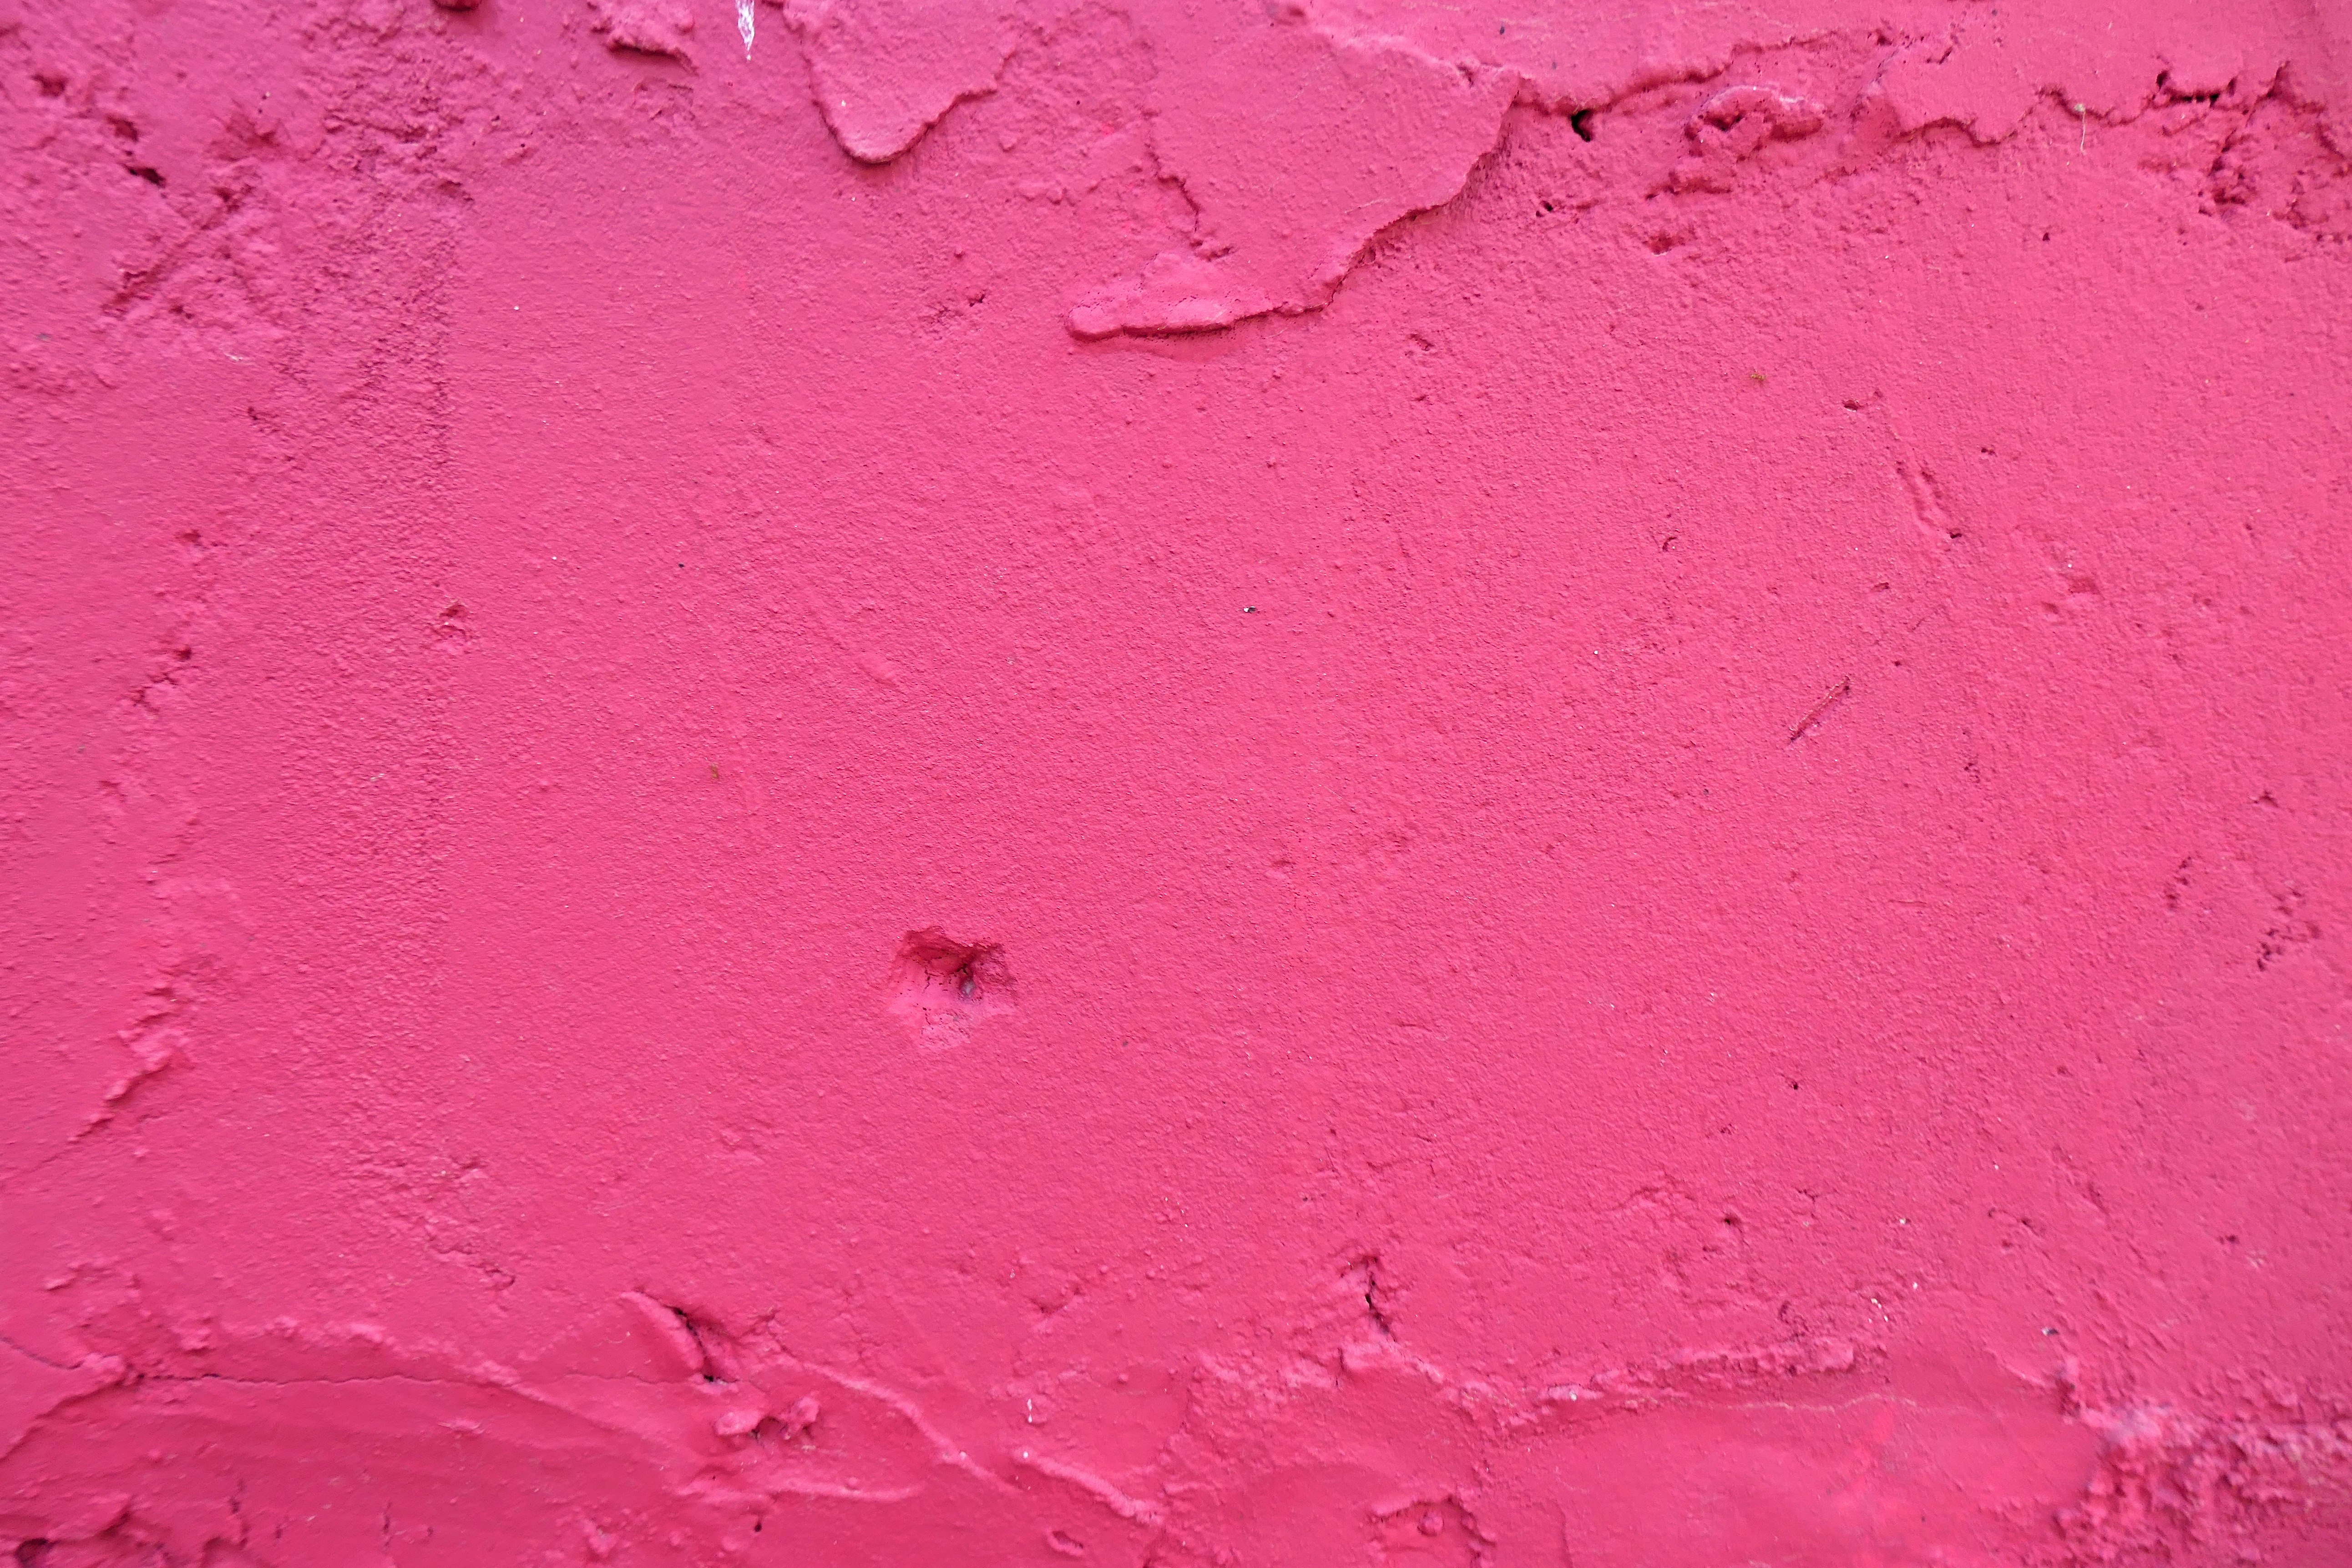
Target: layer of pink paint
(891, 783)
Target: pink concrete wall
(885, 783)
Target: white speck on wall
(743, 25)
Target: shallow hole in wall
(941, 986)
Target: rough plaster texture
(892, 783)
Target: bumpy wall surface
(881, 782)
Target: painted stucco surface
(897, 783)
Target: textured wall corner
(1177, 785)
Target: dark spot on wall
(1363, 1275)
(968, 970)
